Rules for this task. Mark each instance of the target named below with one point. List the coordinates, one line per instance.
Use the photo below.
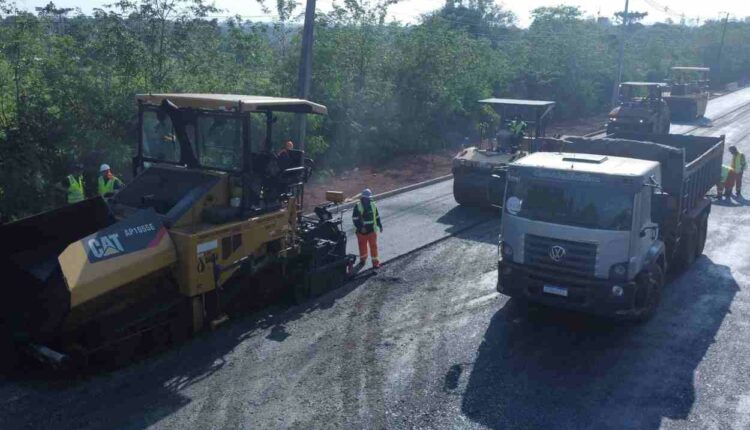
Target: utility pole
(305, 69)
(721, 47)
(621, 56)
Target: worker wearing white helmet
(367, 222)
(108, 183)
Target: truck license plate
(558, 291)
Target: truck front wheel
(648, 295)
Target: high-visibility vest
(738, 162)
(373, 220)
(107, 187)
(75, 189)
(517, 127)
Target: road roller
(212, 218)
(479, 171)
(641, 108)
(689, 93)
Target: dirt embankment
(396, 173)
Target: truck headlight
(641, 121)
(613, 119)
(619, 271)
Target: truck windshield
(575, 204)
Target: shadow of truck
(545, 368)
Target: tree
(68, 80)
(633, 17)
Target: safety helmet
(103, 168)
(366, 193)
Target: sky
(409, 11)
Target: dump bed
(702, 163)
(691, 165)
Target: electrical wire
(671, 12)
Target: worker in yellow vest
(367, 222)
(738, 166)
(108, 183)
(72, 185)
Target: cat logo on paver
(105, 246)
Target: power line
(659, 7)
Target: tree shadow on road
(461, 219)
(145, 392)
(545, 368)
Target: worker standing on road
(367, 222)
(108, 183)
(735, 174)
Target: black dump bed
(691, 165)
(35, 296)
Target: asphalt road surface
(418, 218)
(427, 343)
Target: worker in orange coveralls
(725, 172)
(367, 222)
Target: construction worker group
(107, 183)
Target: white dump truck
(596, 223)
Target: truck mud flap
(36, 299)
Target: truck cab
(577, 221)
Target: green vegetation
(67, 82)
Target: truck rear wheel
(648, 296)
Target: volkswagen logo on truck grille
(557, 253)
